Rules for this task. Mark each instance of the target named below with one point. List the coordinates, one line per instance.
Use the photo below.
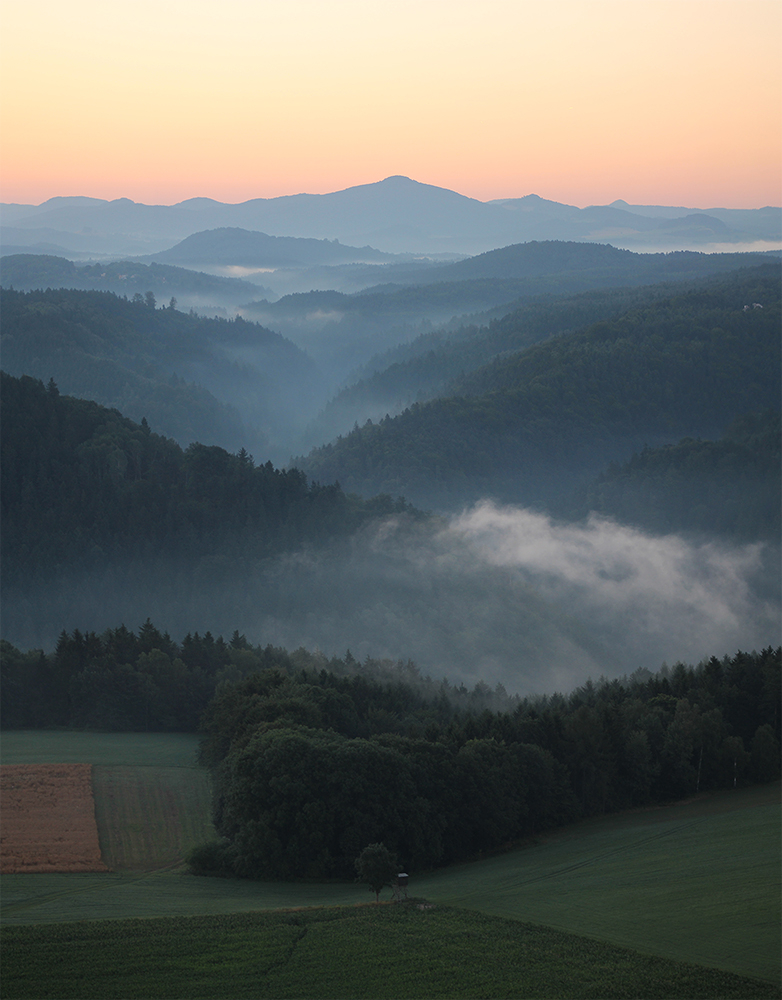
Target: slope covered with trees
(528, 426)
(313, 758)
(426, 367)
(308, 771)
(28, 271)
(84, 487)
(225, 383)
(729, 487)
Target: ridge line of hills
(393, 215)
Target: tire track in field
(303, 928)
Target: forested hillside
(28, 271)
(425, 367)
(232, 384)
(729, 488)
(562, 266)
(527, 427)
(343, 331)
(84, 487)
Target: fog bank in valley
(499, 594)
(509, 596)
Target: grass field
(699, 881)
(152, 802)
(696, 882)
(366, 951)
(149, 817)
(66, 746)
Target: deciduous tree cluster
(308, 771)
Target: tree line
(194, 378)
(315, 757)
(310, 767)
(729, 487)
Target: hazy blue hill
(354, 327)
(424, 367)
(342, 331)
(527, 427)
(28, 271)
(596, 263)
(82, 485)
(396, 215)
(218, 382)
(231, 245)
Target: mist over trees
(105, 520)
(227, 383)
(83, 486)
(441, 784)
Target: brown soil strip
(47, 813)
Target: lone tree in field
(377, 867)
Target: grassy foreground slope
(697, 881)
(366, 951)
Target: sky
(674, 102)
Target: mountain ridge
(396, 214)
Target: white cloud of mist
(676, 598)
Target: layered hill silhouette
(395, 215)
(229, 383)
(191, 289)
(231, 245)
(344, 330)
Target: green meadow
(638, 898)
(343, 952)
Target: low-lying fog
(498, 594)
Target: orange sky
(673, 102)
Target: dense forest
(83, 486)
(343, 331)
(424, 367)
(315, 757)
(103, 519)
(28, 271)
(539, 422)
(429, 365)
(657, 407)
(729, 488)
(309, 768)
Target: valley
(457, 514)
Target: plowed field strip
(48, 819)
